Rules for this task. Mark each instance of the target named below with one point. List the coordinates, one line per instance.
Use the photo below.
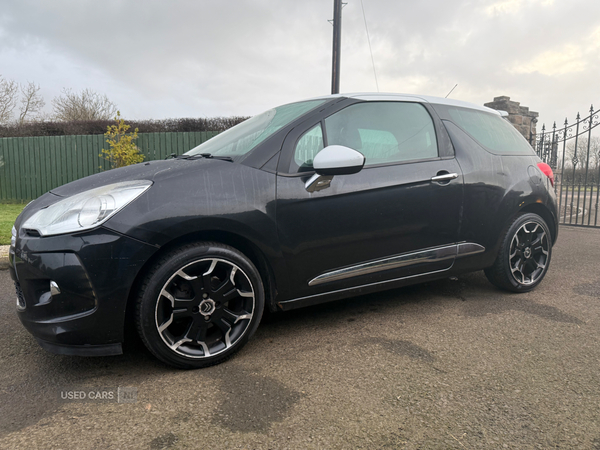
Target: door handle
(444, 177)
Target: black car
(306, 203)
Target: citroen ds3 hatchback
(306, 203)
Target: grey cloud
(205, 58)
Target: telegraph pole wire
(369, 40)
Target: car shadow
(477, 297)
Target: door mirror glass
(338, 160)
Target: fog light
(13, 238)
(54, 289)
(20, 298)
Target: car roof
(381, 96)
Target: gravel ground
(4, 256)
(451, 364)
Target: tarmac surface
(452, 364)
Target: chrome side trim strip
(431, 255)
(469, 248)
(357, 288)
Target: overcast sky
(201, 58)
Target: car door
(393, 219)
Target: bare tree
(9, 92)
(582, 149)
(31, 102)
(84, 105)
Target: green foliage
(122, 150)
(8, 214)
(89, 127)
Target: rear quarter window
(490, 130)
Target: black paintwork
(260, 206)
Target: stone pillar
(520, 116)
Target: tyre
(199, 304)
(524, 255)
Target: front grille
(20, 298)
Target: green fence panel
(31, 166)
(3, 174)
(169, 147)
(17, 146)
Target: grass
(8, 214)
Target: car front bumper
(72, 290)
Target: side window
(493, 132)
(384, 132)
(308, 146)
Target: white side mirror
(338, 160)
(333, 160)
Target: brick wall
(521, 117)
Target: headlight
(86, 210)
(13, 238)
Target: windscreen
(242, 138)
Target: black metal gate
(574, 155)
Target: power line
(370, 49)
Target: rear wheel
(524, 255)
(199, 304)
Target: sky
(201, 58)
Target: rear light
(547, 170)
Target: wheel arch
(541, 210)
(505, 218)
(501, 273)
(237, 241)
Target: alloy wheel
(529, 251)
(205, 308)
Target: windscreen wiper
(211, 156)
(200, 155)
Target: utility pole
(337, 46)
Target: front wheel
(199, 304)
(524, 255)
